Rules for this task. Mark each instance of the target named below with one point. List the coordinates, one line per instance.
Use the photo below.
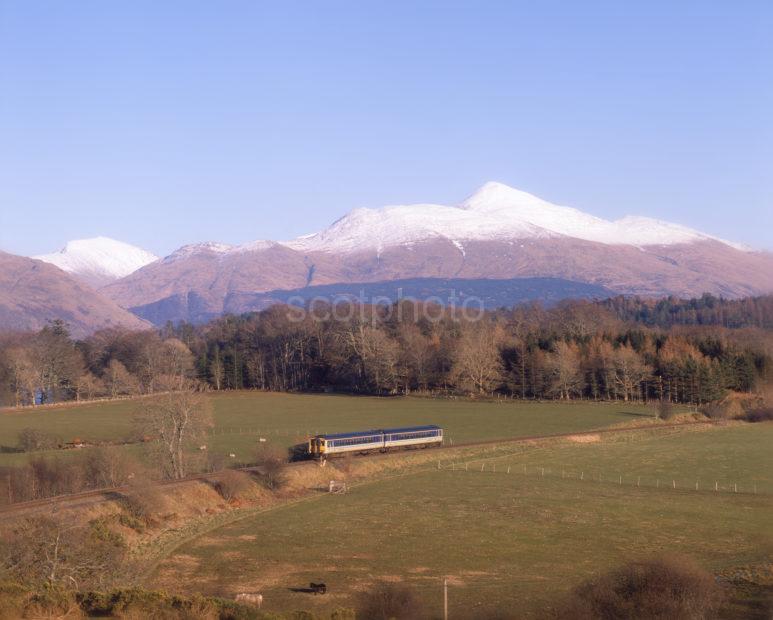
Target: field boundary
(479, 466)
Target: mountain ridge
(33, 292)
(99, 260)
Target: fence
(261, 432)
(716, 484)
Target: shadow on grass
(636, 414)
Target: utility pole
(445, 599)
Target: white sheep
(250, 599)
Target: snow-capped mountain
(99, 260)
(494, 212)
(497, 234)
(490, 242)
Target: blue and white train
(363, 442)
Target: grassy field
(506, 542)
(240, 417)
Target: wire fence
(262, 432)
(702, 484)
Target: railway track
(83, 498)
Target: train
(364, 442)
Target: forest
(627, 349)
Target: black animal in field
(318, 588)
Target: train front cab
(317, 447)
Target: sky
(166, 123)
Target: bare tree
(175, 420)
(477, 363)
(378, 354)
(24, 375)
(629, 371)
(416, 356)
(120, 381)
(175, 365)
(564, 369)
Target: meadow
(506, 542)
(284, 419)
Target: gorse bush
(664, 588)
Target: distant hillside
(33, 292)
(457, 291)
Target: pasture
(506, 541)
(284, 419)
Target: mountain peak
(495, 195)
(99, 260)
(494, 212)
(192, 249)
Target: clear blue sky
(164, 123)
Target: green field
(507, 541)
(240, 417)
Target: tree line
(705, 310)
(576, 350)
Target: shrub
(52, 603)
(760, 414)
(52, 554)
(33, 439)
(143, 501)
(271, 464)
(386, 600)
(140, 603)
(715, 411)
(665, 410)
(107, 466)
(231, 484)
(661, 588)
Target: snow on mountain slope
(494, 212)
(389, 226)
(193, 249)
(99, 260)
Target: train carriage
(324, 446)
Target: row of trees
(575, 350)
(705, 310)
